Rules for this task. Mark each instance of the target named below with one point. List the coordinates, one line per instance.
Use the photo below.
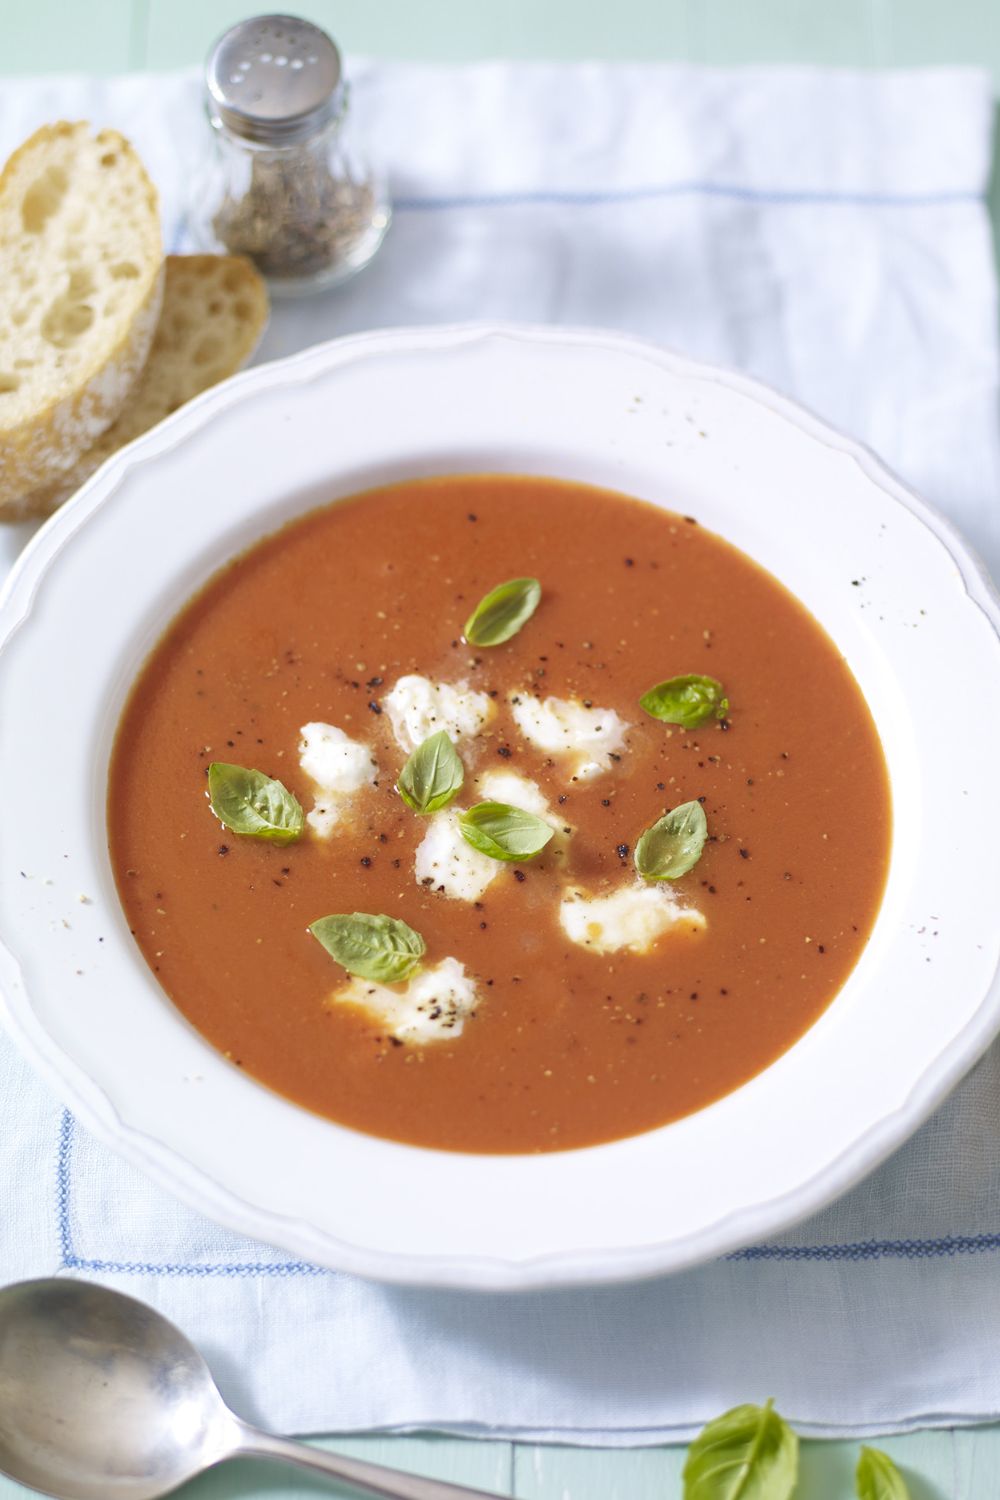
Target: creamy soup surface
(561, 1000)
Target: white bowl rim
(565, 1268)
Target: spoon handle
(370, 1479)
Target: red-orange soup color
(566, 1047)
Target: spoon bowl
(101, 1398)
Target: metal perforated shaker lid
(275, 80)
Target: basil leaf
(687, 701)
(877, 1477)
(504, 832)
(749, 1453)
(502, 612)
(382, 949)
(433, 775)
(674, 843)
(251, 803)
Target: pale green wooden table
(107, 36)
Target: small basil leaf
(877, 1477)
(382, 949)
(674, 843)
(502, 612)
(687, 701)
(504, 832)
(251, 803)
(433, 775)
(749, 1453)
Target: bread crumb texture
(81, 266)
(215, 308)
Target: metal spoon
(102, 1399)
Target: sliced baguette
(81, 283)
(214, 311)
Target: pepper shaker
(284, 186)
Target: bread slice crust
(81, 267)
(215, 309)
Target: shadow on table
(922, 1489)
(245, 1479)
(827, 1473)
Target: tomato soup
(498, 869)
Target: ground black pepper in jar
(285, 188)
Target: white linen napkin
(826, 231)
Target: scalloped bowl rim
(103, 1107)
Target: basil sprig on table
(673, 845)
(877, 1477)
(687, 701)
(251, 803)
(379, 948)
(502, 612)
(749, 1453)
(433, 775)
(504, 832)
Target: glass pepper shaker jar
(285, 187)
